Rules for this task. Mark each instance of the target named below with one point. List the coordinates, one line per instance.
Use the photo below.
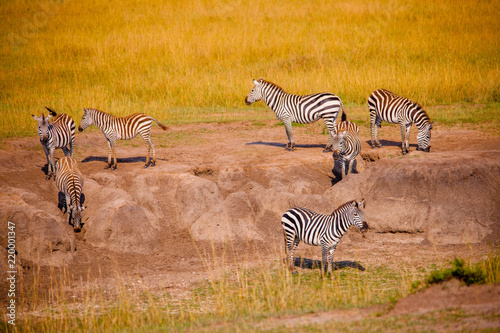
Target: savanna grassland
(193, 61)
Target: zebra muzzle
(364, 228)
(247, 102)
(80, 129)
(336, 155)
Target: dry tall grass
(184, 61)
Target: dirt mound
(449, 295)
(232, 188)
(446, 198)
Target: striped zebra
(69, 180)
(121, 128)
(301, 224)
(60, 133)
(346, 145)
(302, 109)
(387, 106)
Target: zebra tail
(163, 127)
(52, 112)
(344, 116)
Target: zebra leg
(67, 204)
(342, 164)
(52, 152)
(330, 126)
(288, 127)
(47, 155)
(408, 127)
(153, 162)
(351, 163)
(113, 148)
(109, 156)
(66, 151)
(150, 146)
(331, 251)
(290, 246)
(324, 258)
(404, 148)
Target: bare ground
(245, 158)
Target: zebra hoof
(329, 150)
(47, 178)
(295, 273)
(146, 166)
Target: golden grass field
(193, 61)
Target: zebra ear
(84, 110)
(361, 204)
(35, 117)
(49, 116)
(430, 127)
(255, 81)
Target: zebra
(387, 106)
(301, 224)
(346, 145)
(69, 180)
(302, 109)
(60, 133)
(121, 128)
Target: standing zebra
(300, 109)
(60, 133)
(69, 180)
(121, 128)
(387, 106)
(346, 145)
(301, 224)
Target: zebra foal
(121, 128)
(346, 145)
(69, 180)
(389, 107)
(301, 224)
(302, 109)
(60, 133)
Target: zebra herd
(60, 133)
(299, 224)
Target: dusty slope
(220, 182)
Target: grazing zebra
(121, 128)
(60, 133)
(69, 180)
(346, 145)
(387, 106)
(301, 224)
(300, 109)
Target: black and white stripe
(303, 109)
(69, 180)
(301, 224)
(60, 133)
(121, 128)
(346, 145)
(389, 107)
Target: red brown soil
(243, 160)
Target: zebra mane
(424, 113)
(274, 84)
(100, 112)
(345, 205)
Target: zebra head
(339, 144)
(256, 93)
(76, 216)
(44, 127)
(357, 217)
(86, 121)
(424, 137)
